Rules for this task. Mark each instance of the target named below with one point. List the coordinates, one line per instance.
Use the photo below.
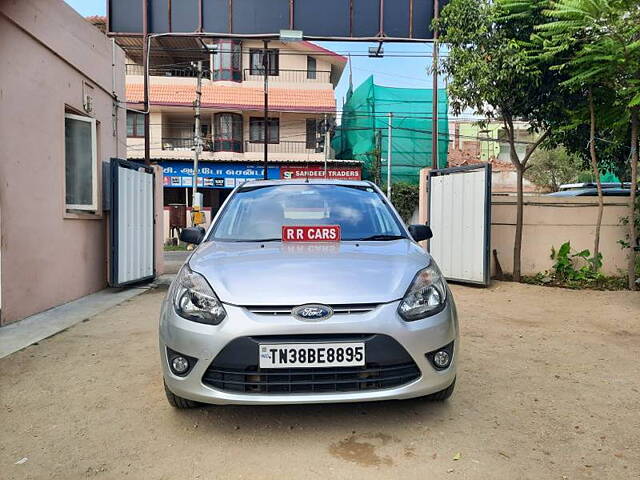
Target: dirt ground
(548, 388)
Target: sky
(390, 71)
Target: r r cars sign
(304, 233)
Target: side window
(81, 163)
(135, 124)
(311, 68)
(311, 133)
(256, 130)
(256, 61)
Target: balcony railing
(187, 144)
(135, 69)
(281, 147)
(291, 76)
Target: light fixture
(179, 365)
(441, 359)
(291, 35)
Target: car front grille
(337, 309)
(388, 366)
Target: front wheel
(178, 402)
(442, 395)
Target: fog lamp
(441, 359)
(179, 365)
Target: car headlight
(426, 296)
(194, 299)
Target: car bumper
(205, 342)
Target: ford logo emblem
(312, 313)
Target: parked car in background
(591, 190)
(308, 292)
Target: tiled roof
(99, 22)
(275, 158)
(236, 97)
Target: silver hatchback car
(307, 292)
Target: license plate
(301, 355)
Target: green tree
(405, 198)
(612, 148)
(597, 42)
(493, 71)
(551, 168)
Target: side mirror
(193, 235)
(420, 232)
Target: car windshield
(257, 214)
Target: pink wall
(47, 53)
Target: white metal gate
(131, 222)
(460, 218)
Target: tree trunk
(517, 244)
(633, 235)
(596, 174)
(520, 167)
(515, 160)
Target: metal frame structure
(385, 9)
(487, 206)
(354, 7)
(114, 218)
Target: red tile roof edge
(255, 107)
(318, 48)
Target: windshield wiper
(381, 237)
(261, 240)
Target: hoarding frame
(354, 7)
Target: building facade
(60, 119)
(302, 78)
(470, 143)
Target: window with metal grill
(228, 132)
(227, 61)
(256, 61)
(256, 130)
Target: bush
(576, 270)
(405, 197)
(552, 168)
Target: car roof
(575, 186)
(592, 192)
(310, 181)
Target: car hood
(288, 274)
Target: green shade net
(609, 177)
(364, 130)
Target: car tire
(442, 395)
(178, 402)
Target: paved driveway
(548, 389)
(174, 260)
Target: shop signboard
(317, 171)
(213, 175)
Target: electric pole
(389, 148)
(326, 146)
(196, 214)
(434, 96)
(145, 68)
(265, 67)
